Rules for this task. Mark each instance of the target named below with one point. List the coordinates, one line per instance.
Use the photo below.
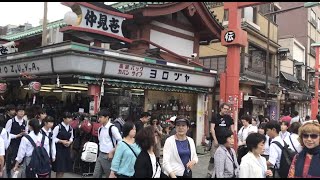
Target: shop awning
(142, 85)
(289, 77)
(264, 92)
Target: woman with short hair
(179, 152)
(306, 163)
(253, 165)
(125, 156)
(146, 165)
(225, 159)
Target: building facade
(253, 60)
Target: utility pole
(266, 66)
(44, 25)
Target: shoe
(209, 175)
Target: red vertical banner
(94, 90)
(240, 99)
(223, 84)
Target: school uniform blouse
(105, 144)
(26, 148)
(9, 125)
(56, 131)
(284, 135)
(6, 138)
(53, 144)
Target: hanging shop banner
(31, 67)
(101, 21)
(141, 72)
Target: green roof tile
(33, 31)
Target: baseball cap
(172, 119)
(182, 120)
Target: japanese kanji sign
(100, 21)
(142, 72)
(4, 49)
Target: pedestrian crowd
(288, 148)
(33, 144)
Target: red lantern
(35, 86)
(3, 88)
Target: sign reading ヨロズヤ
(156, 74)
(101, 21)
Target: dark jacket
(139, 125)
(143, 166)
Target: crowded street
(159, 90)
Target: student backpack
(39, 166)
(89, 152)
(286, 158)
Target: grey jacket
(223, 163)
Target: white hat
(173, 118)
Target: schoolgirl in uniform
(47, 131)
(63, 137)
(17, 127)
(26, 148)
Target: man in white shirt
(296, 117)
(107, 145)
(273, 129)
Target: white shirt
(275, 152)
(2, 147)
(295, 141)
(53, 145)
(295, 119)
(105, 143)
(266, 146)
(156, 171)
(171, 158)
(5, 137)
(252, 167)
(26, 148)
(9, 125)
(56, 131)
(244, 132)
(284, 135)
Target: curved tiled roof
(129, 6)
(33, 31)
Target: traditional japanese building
(142, 56)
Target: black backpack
(287, 156)
(39, 166)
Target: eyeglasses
(312, 136)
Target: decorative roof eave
(33, 31)
(156, 9)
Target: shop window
(250, 14)
(313, 18)
(226, 15)
(299, 72)
(319, 24)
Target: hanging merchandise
(35, 88)
(58, 81)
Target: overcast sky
(18, 13)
